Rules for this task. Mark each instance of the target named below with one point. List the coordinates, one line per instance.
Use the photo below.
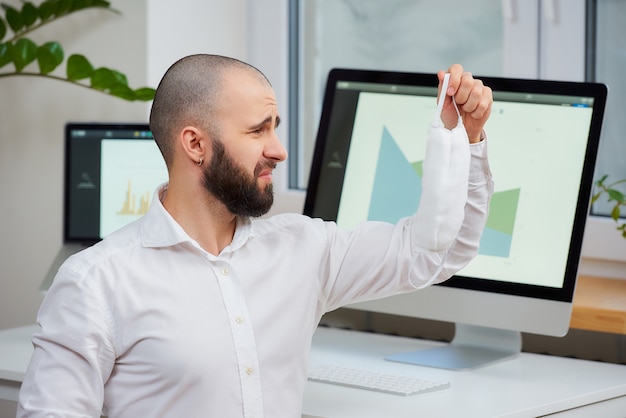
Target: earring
(199, 163)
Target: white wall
(142, 42)
(176, 29)
(33, 112)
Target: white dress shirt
(148, 324)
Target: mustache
(264, 165)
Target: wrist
(478, 138)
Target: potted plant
(20, 51)
(614, 196)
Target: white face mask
(444, 183)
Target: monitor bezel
(498, 84)
(68, 157)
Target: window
(607, 64)
(566, 40)
(401, 35)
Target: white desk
(529, 386)
(15, 351)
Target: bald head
(188, 95)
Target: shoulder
(293, 222)
(283, 220)
(116, 245)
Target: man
(196, 310)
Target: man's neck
(203, 218)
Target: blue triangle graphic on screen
(398, 186)
(394, 177)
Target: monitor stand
(472, 347)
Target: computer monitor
(111, 172)
(542, 143)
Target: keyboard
(375, 381)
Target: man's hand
(473, 99)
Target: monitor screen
(111, 173)
(543, 138)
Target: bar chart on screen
(130, 172)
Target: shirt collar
(160, 229)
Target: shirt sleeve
(74, 357)
(378, 259)
(440, 264)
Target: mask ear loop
(442, 98)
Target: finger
(440, 75)
(469, 97)
(465, 89)
(482, 110)
(475, 122)
(456, 74)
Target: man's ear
(194, 144)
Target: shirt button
(249, 371)
(225, 271)
(239, 320)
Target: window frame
(539, 56)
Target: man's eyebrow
(266, 121)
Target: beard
(234, 187)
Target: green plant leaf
(29, 14)
(595, 197)
(57, 8)
(63, 7)
(5, 54)
(100, 3)
(145, 94)
(3, 29)
(46, 10)
(616, 195)
(105, 79)
(84, 4)
(14, 18)
(23, 52)
(122, 91)
(49, 57)
(615, 213)
(78, 67)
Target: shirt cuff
(480, 172)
